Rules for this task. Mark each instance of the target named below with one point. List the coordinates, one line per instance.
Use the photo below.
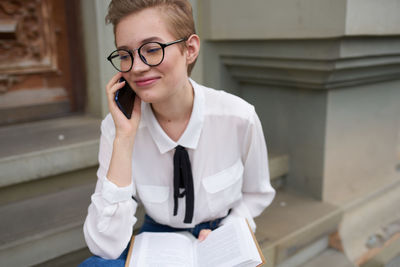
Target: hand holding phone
(125, 97)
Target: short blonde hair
(178, 13)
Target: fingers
(203, 234)
(114, 80)
(124, 127)
(112, 86)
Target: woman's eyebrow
(150, 39)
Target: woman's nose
(138, 63)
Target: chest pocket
(223, 189)
(155, 201)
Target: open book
(232, 244)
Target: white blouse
(229, 160)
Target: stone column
(98, 42)
(324, 77)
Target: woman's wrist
(120, 169)
(126, 141)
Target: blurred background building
(324, 76)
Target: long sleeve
(257, 192)
(109, 223)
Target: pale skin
(166, 87)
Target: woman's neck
(174, 114)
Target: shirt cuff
(114, 194)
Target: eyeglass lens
(150, 53)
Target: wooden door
(40, 60)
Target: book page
(252, 249)
(162, 250)
(225, 246)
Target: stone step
(292, 224)
(329, 258)
(38, 229)
(36, 150)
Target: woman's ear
(192, 48)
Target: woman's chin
(148, 98)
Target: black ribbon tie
(183, 178)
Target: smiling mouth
(147, 81)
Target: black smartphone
(124, 98)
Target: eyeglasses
(151, 53)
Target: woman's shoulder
(220, 102)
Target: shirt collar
(190, 136)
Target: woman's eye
(153, 50)
(124, 57)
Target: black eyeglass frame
(132, 51)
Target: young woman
(194, 157)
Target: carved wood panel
(35, 66)
(27, 37)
